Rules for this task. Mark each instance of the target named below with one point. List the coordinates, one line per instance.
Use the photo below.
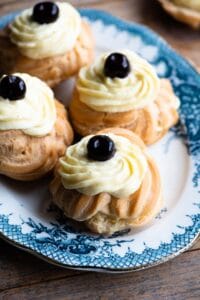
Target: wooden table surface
(23, 276)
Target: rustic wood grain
(23, 276)
(170, 281)
(18, 268)
(196, 246)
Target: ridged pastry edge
(185, 15)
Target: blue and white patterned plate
(29, 221)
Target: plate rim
(109, 19)
(96, 269)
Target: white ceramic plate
(28, 220)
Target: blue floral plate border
(67, 247)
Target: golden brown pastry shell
(150, 123)
(25, 157)
(185, 15)
(106, 214)
(52, 70)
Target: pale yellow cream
(119, 176)
(105, 94)
(193, 4)
(35, 114)
(38, 41)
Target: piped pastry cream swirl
(38, 41)
(119, 176)
(193, 4)
(35, 114)
(105, 94)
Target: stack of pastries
(107, 180)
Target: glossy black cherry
(12, 87)
(45, 12)
(100, 148)
(117, 65)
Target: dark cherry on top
(12, 87)
(45, 12)
(100, 148)
(117, 65)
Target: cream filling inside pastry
(38, 41)
(119, 176)
(193, 4)
(105, 94)
(35, 114)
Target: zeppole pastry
(108, 181)
(186, 11)
(34, 130)
(122, 90)
(49, 41)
